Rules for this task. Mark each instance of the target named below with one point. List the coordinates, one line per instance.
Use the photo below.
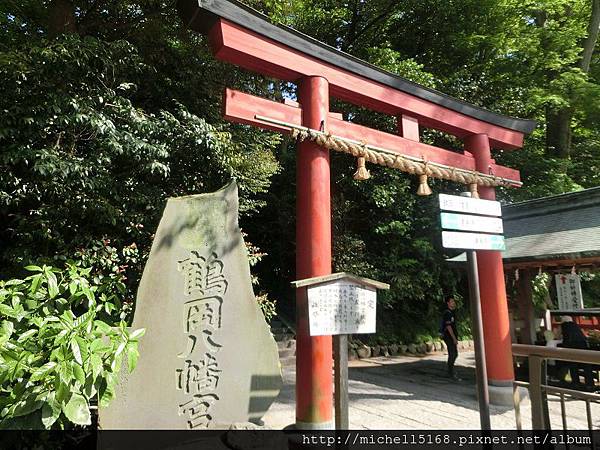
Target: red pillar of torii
(241, 36)
(314, 384)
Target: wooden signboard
(469, 205)
(568, 290)
(473, 241)
(341, 307)
(468, 222)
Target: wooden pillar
(525, 303)
(496, 323)
(314, 362)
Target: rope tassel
(423, 188)
(473, 190)
(361, 170)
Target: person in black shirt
(450, 335)
(573, 337)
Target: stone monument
(208, 359)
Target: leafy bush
(58, 350)
(540, 291)
(267, 305)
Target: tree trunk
(61, 18)
(558, 123)
(558, 132)
(592, 37)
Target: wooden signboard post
(471, 230)
(338, 305)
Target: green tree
(97, 133)
(110, 108)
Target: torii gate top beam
(242, 36)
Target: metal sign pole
(480, 369)
(340, 358)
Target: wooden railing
(539, 389)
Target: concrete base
(503, 395)
(314, 425)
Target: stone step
(284, 337)
(280, 330)
(284, 345)
(290, 352)
(288, 361)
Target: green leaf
(35, 283)
(84, 318)
(53, 290)
(99, 346)
(73, 285)
(63, 393)
(120, 348)
(83, 347)
(65, 371)
(26, 335)
(108, 390)
(7, 328)
(137, 334)
(132, 358)
(24, 407)
(7, 311)
(76, 351)
(102, 327)
(66, 318)
(89, 294)
(50, 410)
(97, 365)
(79, 373)
(89, 389)
(33, 268)
(42, 371)
(77, 410)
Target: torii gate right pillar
(494, 307)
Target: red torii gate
(241, 36)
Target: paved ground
(412, 393)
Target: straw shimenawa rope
(421, 168)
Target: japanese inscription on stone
(341, 307)
(198, 376)
(208, 358)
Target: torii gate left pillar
(314, 380)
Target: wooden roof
(338, 277)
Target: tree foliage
(109, 107)
(88, 152)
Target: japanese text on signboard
(568, 290)
(341, 308)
